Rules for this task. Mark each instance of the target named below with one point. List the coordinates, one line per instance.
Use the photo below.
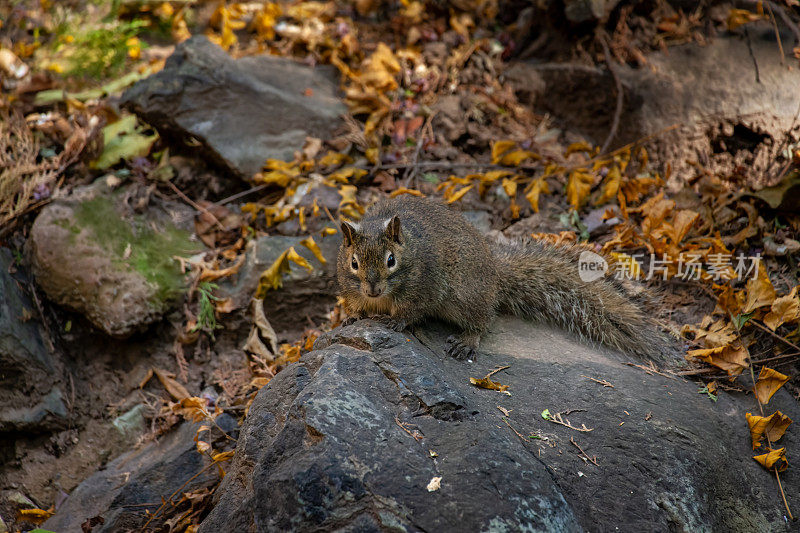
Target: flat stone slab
(241, 111)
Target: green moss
(152, 250)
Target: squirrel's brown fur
(410, 258)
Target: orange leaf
(774, 459)
(773, 427)
(768, 383)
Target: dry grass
(26, 179)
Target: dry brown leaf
(262, 329)
(207, 274)
(773, 427)
(175, 389)
(714, 335)
(785, 309)
(486, 383)
(768, 383)
(775, 459)
(731, 358)
(224, 306)
(192, 408)
(760, 291)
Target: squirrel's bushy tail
(540, 281)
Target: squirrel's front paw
(458, 349)
(390, 322)
(349, 321)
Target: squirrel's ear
(392, 229)
(348, 232)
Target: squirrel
(411, 258)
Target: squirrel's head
(372, 258)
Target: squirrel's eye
(354, 263)
(390, 262)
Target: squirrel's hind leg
(463, 347)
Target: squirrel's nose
(374, 291)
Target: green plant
(101, 52)
(206, 316)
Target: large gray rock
(727, 110)
(89, 252)
(242, 111)
(349, 438)
(30, 396)
(134, 483)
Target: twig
(602, 382)
(583, 455)
(195, 205)
(559, 419)
(786, 20)
(796, 347)
(495, 371)
(411, 171)
(415, 435)
(169, 500)
(240, 195)
(514, 430)
(620, 92)
(776, 358)
(777, 33)
(651, 369)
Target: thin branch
(620, 92)
(782, 339)
(194, 204)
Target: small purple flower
(41, 192)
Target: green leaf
(546, 414)
(740, 320)
(123, 140)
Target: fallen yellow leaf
(773, 427)
(309, 243)
(486, 383)
(768, 383)
(784, 309)
(731, 358)
(499, 148)
(760, 291)
(458, 195)
(774, 459)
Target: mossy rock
(89, 252)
